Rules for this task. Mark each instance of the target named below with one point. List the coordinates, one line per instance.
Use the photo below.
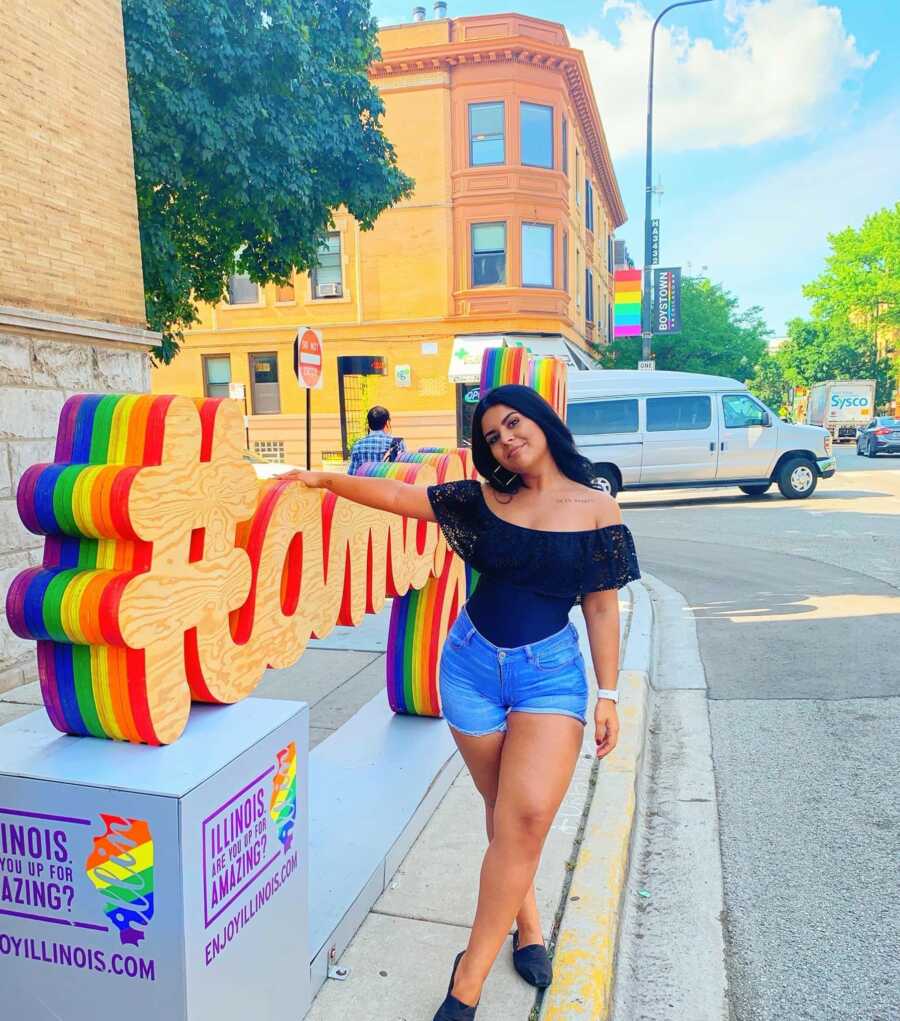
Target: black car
(880, 436)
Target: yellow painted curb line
(584, 956)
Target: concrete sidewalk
(400, 958)
(399, 961)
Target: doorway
(264, 393)
(358, 378)
(467, 396)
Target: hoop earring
(509, 481)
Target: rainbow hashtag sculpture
(421, 619)
(170, 574)
(547, 375)
(501, 365)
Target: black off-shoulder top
(530, 578)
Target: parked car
(880, 436)
(657, 430)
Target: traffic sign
(308, 358)
(648, 366)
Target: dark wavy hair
(529, 403)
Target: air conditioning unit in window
(328, 290)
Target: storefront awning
(557, 346)
(465, 359)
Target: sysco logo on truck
(841, 401)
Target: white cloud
(769, 238)
(779, 76)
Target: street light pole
(646, 325)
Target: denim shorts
(481, 683)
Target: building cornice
(51, 323)
(568, 63)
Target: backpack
(393, 450)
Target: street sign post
(238, 392)
(648, 366)
(654, 242)
(308, 370)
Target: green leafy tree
(252, 120)
(770, 384)
(861, 280)
(817, 351)
(716, 337)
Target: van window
(603, 417)
(666, 414)
(741, 411)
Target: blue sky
(776, 122)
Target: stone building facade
(71, 289)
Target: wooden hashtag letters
(171, 574)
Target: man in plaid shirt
(377, 443)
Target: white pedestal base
(157, 882)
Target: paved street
(796, 607)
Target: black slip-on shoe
(452, 1009)
(532, 963)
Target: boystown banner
(628, 303)
(667, 300)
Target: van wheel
(755, 490)
(797, 478)
(605, 480)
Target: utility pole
(646, 325)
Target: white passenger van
(656, 430)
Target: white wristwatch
(611, 693)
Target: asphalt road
(797, 605)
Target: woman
(513, 684)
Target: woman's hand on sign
(314, 480)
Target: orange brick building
(508, 235)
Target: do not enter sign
(308, 358)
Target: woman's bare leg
(537, 761)
(482, 758)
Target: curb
(585, 947)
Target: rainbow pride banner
(628, 303)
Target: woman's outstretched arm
(382, 494)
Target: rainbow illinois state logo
(283, 804)
(121, 868)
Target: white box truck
(842, 406)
